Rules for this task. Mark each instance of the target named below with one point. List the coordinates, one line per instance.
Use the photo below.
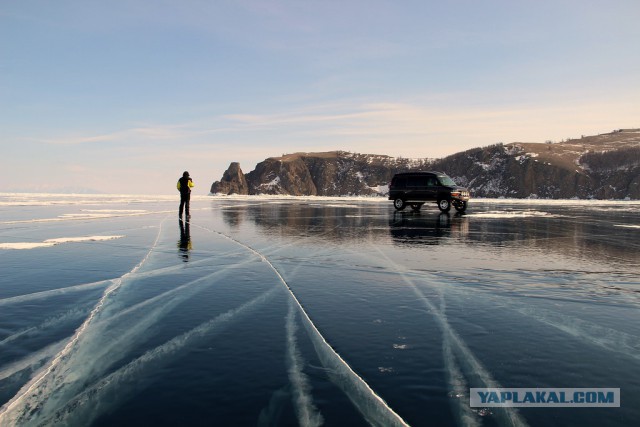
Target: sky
(122, 96)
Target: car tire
(460, 206)
(444, 205)
(399, 204)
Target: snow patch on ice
(114, 210)
(511, 214)
(329, 205)
(53, 242)
(560, 202)
(86, 216)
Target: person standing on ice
(184, 187)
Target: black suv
(416, 188)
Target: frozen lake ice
(312, 311)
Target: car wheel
(461, 206)
(399, 204)
(444, 205)
(416, 207)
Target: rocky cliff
(602, 166)
(233, 181)
(333, 173)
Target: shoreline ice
(44, 199)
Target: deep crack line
(368, 402)
(53, 364)
(306, 410)
(507, 416)
(83, 408)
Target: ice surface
(309, 311)
(54, 292)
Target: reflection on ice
(425, 229)
(184, 244)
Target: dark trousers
(184, 205)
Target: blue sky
(122, 96)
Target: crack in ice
(366, 400)
(30, 388)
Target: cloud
(424, 128)
(138, 133)
(415, 128)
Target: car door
(412, 187)
(416, 185)
(398, 187)
(431, 188)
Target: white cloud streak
(352, 124)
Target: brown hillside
(566, 154)
(295, 156)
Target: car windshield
(445, 180)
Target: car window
(399, 182)
(432, 181)
(417, 181)
(445, 180)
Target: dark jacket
(184, 186)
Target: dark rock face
(506, 171)
(335, 173)
(281, 177)
(617, 172)
(603, 166)
(233, 181)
